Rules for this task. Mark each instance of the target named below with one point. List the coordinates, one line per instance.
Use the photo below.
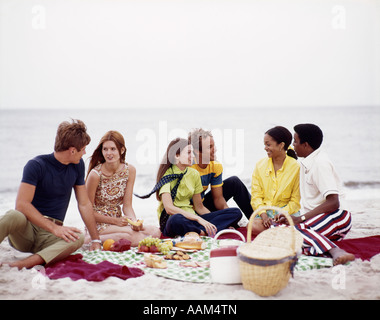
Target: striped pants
(320, 233)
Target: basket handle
(279, 210)
(229, 231)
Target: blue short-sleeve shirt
(54, 182)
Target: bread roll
(154, 261)
(191, 244)
(137, 223)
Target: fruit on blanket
(169, 243)
(107, 245)
(148, 242)
(153, 249)
(154, 245)
(143, 248)
(164, 247)
(137, 223)
(121, 245)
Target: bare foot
(340, 256)
(27, 263)
(5, 264)
(9, 264)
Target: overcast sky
(190, 53)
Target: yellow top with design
(189, 185)
(211, 175)
(279, 189)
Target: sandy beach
(155, 70)
(359, 280)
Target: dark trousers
(178, 225)
(233, 188)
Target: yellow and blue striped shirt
(211, 175)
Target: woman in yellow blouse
(275, 180)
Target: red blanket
(363, 248)
(75, 268)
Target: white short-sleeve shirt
(318, 179)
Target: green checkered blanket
(174, 271)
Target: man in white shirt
(318, 179)
(322, 221)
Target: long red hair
(97, 156)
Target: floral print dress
(109, 194)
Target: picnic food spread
(170, 256)
(197, 269)
(154, 247)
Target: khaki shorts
(27, 237)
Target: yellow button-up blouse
(281, 188)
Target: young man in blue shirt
(43, 197)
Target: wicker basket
(267, 263)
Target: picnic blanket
(363, 248)
(132, 259)
(75, 268)
(128, 262)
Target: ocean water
(351, 138)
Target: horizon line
(182, 107)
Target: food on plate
(154, 245)
(191, 241)
(154, 261)
(169, 243)
(179, 255)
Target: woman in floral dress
(110, 188)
